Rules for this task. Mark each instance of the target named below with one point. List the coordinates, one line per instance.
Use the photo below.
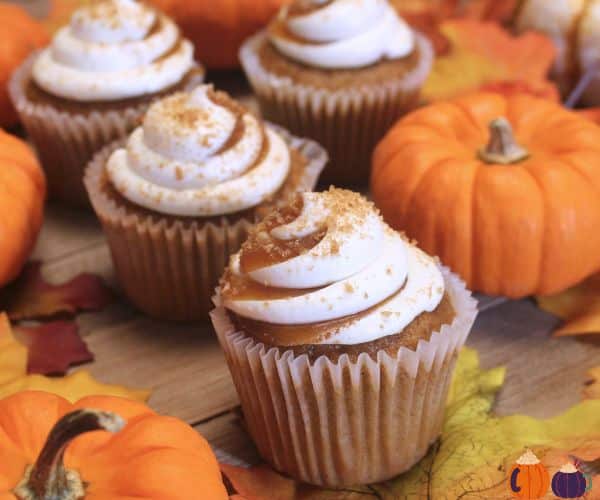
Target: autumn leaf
(14, 377)
(579, 306)
(473, 456)
(32, 297)
(53, 347)
(482, 54)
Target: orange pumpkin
(47, 445)
(218, 30)
(21, 34)
(513, 215)
(528, 478)
(22, 195)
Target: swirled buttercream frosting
(332, 258)
(111, 50)
(340, 34)
(199, 154)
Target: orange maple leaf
(30, 296)
(484, 54)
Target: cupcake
(341, 337)
(340, 72)
(94, 82)
(178, 196)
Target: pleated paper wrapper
(348, 123)
(66, 142)
(168, 269)
(353, 421)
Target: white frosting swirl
(343, 34)
(114, 49)
(372, 268)
(195, 157)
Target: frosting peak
(113, 49)
(199, 154)
(357, 265)
(339, 34)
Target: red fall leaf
(31, 297)
(53, 347)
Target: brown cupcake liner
(168, 267)
(348, 123)
(351, 421)
(65, 142)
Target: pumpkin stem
(48, 479)
(502, 147)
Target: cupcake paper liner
(348, 122)
(66, 142)
(168, 269)
(353, 421)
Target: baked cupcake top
(330, 264)
(111, 50)
(340, 34)
(200, 154)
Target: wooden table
(184, 366)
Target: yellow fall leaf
(14, 378)
(473, 456)
(579, 306)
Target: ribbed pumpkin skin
(153, 457)
(22, 195)
(532, 227)
(218, 28)
(569, 485)
(532, 481)
(21, 34)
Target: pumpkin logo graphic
(569, 482)
(529, 478)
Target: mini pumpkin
(21, 34)
(48, 449)
(22, 195)
(574, 26)
(512, 204)
(218, 31)
(528, 478)
(568, 482)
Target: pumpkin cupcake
(94, 82)
(338, 71)
(178, 196)
(341, 337)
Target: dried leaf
(32, 297)
(483, 53)
(14, 378)
(53, 347)
(473, 456)
(579, 306)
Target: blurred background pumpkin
(219, 28)
(514, 213)
(20, 35)
(22, 196)
(574, 26)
